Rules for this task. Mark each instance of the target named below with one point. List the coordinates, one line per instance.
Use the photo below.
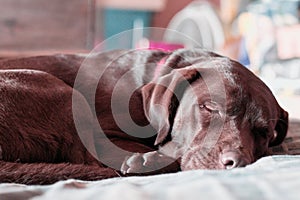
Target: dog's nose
(231, 160)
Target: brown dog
(198, 110)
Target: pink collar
(159, 67)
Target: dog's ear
(281, 128)
(161, 99)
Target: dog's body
(215, 114)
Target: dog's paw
(149, 163)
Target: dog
(128, 112)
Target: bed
(273, 177)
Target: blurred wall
(162, 19)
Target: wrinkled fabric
(273, 177)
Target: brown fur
(37, 128)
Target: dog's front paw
(150, 163)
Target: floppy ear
(161, 99)
(280, 128)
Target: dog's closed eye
(211, 107)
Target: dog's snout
(231, 160)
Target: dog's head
(212, 112)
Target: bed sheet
(273, 177)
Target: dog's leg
(45, 173)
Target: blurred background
(264, 35)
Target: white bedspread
(273, 177)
